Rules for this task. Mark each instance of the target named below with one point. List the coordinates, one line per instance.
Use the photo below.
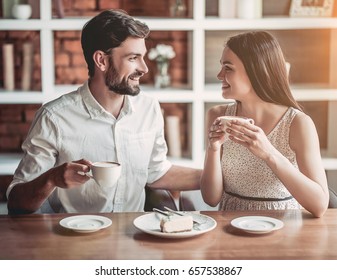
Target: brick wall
(15, 121)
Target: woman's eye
(227, 68)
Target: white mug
(22, 11)
(105, 173)
(225, 119)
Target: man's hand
(70, 174)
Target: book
(8, 64)
(59, 8)
(173, 136)
(27, 66)
(7, 6)
(227, 8)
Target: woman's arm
(211, 183)
(308, 184)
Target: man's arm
(28, 197)
(179, 178)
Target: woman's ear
(100, 59)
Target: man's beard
(122, 87)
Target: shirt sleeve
(39, 149)
(159, 164)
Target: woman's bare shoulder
(302, 121)
(302, 130)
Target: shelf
(9, 162)
(20, 97)
(275, 23)
(16, 24)
(314, 94)
(78, 23)
(330, 164)
(212, 93)
(209, 23)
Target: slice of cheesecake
(171, 224)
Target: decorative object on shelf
(311, 8)
(249, 9)
(162, 55)
(172, 125)
(227, 8)
(59, 8)
(22, 11)
(8, 64)
(27, 66)
(7, 6)
(178, 8)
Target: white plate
(257, 224)
(150, 223)
(85, 223)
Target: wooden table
(41, 237)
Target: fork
(180, 214)
(161, 212)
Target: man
(104, 120)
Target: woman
(274, 163)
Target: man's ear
(101, 61)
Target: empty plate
(85, 223)
(257, 224)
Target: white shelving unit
(200, 93)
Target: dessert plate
(85, 223)
(150, 223)
(257, 224)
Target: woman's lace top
(249, 183)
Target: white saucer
(85, 223)
(257, 224)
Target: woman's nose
(220, 75)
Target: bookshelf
(206, 34)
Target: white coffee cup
(225, 119)
(105, 173)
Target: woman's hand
(250, 136)
(216, 135)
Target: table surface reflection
(41, 237)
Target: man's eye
(133, 58)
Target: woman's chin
(226, 94)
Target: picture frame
(311, 8)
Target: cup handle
(89, 174)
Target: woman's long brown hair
(265, 65)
